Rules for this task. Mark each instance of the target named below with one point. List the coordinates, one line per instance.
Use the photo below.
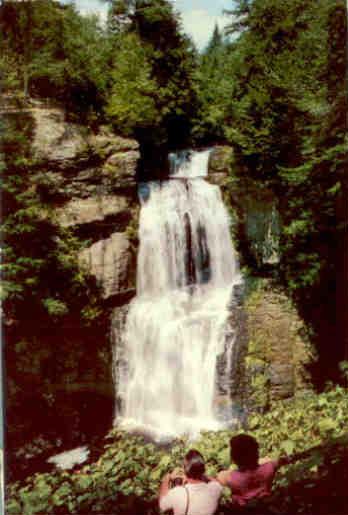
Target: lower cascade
(175, 329)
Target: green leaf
(288, 446)
(327, 424)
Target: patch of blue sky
(198, 16)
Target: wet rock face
(118, 324)
(253, 209)
(230, 365)
(220, 163)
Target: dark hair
(244, 451)
(194, 465)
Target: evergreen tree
(277, 120)
(168, 59)
(240, 16)
(52, 51)
(215, 84)
(215, 42)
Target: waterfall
(175, 327)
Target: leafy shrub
(126, 477)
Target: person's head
(244, 451)
(194, 465)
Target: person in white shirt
(198, 495)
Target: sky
(198, 16)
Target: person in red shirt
(251, 483)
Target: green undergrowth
(126, 477)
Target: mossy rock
(279, 350)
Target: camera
(176, 481)
(177, 478)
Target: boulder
(278, 352)
(120, 168)
(111, 261)
(56, 140)
(91, 210)
(220, 162)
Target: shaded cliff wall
(272, 354)
(62, 380)
(255, 218)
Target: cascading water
(175, 328)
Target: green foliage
(39, 256)
(152, 72)
(277, 94)
(128, 473)
(55, 307)
(215, 84)
(344, 370)
(132, 101)
(49, 50)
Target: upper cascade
(188, 164)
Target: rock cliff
(92, 182)
(272, 354)
(89, 183)
(279, 354)
(255, 218)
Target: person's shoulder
(223, 477)
(177, 490)
(267, 464)
(211, 489)
(214, 484)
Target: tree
(166, 82)
(215, 83)
(57, 52)
(16, 19)
(215, 42)
(277, 119)
(240, 16)
(133, 95)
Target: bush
(127, 475)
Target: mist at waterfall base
(176, 326)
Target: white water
(175, 328)
(68, 459)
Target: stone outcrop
(91, 179)
(79, 164)
(91, 210)
(88, 182)
(279, 354)
(220, 165)
(253, 209)
(112, 262)
(55, 140)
